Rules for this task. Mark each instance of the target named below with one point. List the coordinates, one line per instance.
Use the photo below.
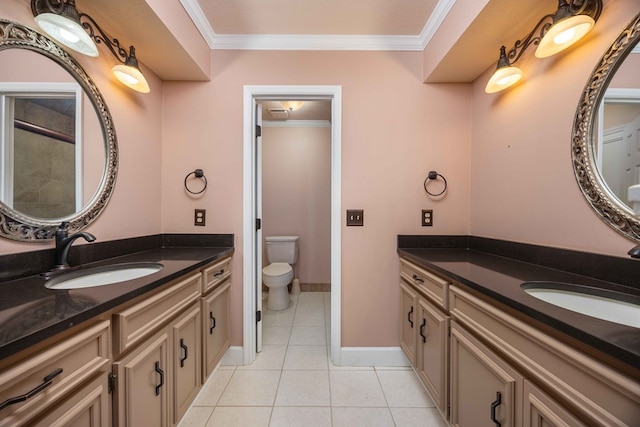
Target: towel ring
(432, 176)
(198, 173)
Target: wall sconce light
(80, 32)
(291, 105)
(552, 34)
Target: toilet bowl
(282, 253)
(276, 277)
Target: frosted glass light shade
(503, 78)
(563, 34)
(68, 32)
(131, 77)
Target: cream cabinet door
(142, 393)
(408, 320)
(540, 410)
(187, 377)
(485, 390)
(215, 330)
(432, 361)
(87, 407)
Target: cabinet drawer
(78, 357)
(140, 320)
(431, 285)
(215, 274)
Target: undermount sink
(599, 303)
(105, 275)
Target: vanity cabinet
(51, 376)
(425, 330)
(143, 388)
(576, 384)
(503, 366)
(485, 390)
(215, 327)
(432, 357)
(157, 371)
(409, 310)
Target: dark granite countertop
(30, 312)
(500, 278)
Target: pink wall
(394, 130)
(296, 194)
(522, 182)
(134, 209)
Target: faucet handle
(63, 225)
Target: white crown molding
(199, 20)
(296, 123)
(435, 20)
(316, 42)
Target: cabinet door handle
(424, 323)
(185, 351)
(213, 323)
(409, 316)
(161, 373)
(46, 382)
(219, 273)
(418, 278)
(494, 406)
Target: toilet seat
(277, 269)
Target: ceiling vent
(279, 113)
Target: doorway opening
(254, 96)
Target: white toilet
(282, 253)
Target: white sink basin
(101, 276)
(601, 304)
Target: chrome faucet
(64, 242)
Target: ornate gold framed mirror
(589, 153)
(58, 146)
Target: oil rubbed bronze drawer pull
(219, 273)
(418, 279)
(46, 382)
(424, 323)
(213, 323)
(161, 373)
(409, 317)
(185, 350)
(494, 406)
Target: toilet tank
(282, 249)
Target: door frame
(249, 274)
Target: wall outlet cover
(427, 217)
(200, 217)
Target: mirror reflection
(605, 141)
(51, 144)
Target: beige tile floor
(293, 383)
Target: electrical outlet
(200, 217)
(427, 217)
(355, 217)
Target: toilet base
(278, 298)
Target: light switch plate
(355, 217)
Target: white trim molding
(315, 41)
(250, 94)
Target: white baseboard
(373, 356)
(233, 356)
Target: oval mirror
(606, 134)
(58, 149)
